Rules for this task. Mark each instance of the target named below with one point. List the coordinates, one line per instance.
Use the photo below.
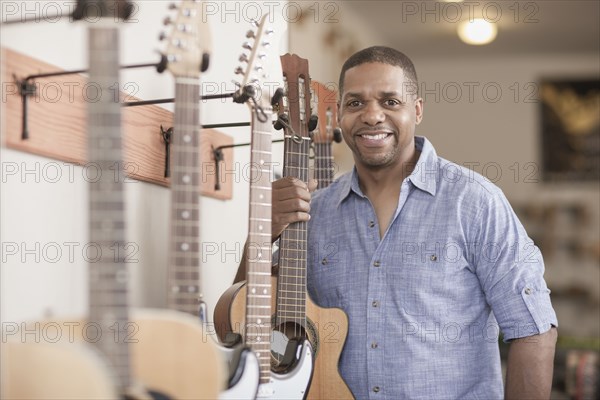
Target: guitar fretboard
(258, 281)
(324, 168)
(108, 277)
(291, 283)
(184, 264)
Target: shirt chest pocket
(327, 282)
(420, 286)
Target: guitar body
(170, 354)
(33, 370)
(174, 356)
(244, 371)
(326, 332)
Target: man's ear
(418, 110)
(337, 115)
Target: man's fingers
(285, 189)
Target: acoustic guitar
(296, 314)
(245, 308)
(188, 52)
(152, 354)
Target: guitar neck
(258, 298)
(323, 167)
(291, 284)
(108, 274)
(325, 103)
(184, 264)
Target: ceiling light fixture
(477, 31)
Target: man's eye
(353, 103)
(391, 102)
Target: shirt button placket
(374, 355)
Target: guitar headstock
(262, 75)
(188, 44)
(325, 104)
(295, 103)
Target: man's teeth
(375, 137)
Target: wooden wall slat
(57, 125)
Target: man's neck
(373, 180)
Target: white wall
(53, 215)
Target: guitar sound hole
(285, 339)
(280, 340)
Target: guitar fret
(259, 296)
(262, 187)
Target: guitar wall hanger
(28, 88)
(282, 121)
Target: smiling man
(427, 258)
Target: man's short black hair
(384, 55)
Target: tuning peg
(247, 46)
(162, 36)
(282, 120)
(172, 58)
(337, 135)
(266, 44)
(239, 71)
(269, 31)
(254, 23)
(205, 62)
(258, 68)
(313, 121)
(262, 56)
(172, 6)
(250, 34)
(167, 21)
(243, 58)
(277, 97)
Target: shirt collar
(424, 176)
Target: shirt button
(371, 224)
(528, 291)
(433, 257)
(374, 345)
(375, 303)
(376, 389)
(376, 264)
(324, 261)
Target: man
(423, 255)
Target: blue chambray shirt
(420, 300)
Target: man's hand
(291, 203)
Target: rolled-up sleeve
(511, 272)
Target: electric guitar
(245, 308)
(296, 314)
(188, 51)
(327, 132)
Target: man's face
(378, 113)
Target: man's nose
(373, 114)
